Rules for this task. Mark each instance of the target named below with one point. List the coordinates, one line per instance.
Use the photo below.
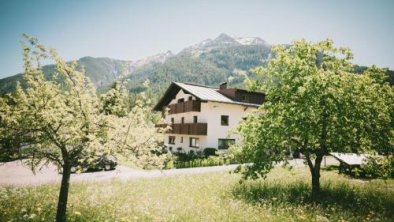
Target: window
(183, 120)
(224, 144)
(245, 98)
(171, 139)
(194, 142)
(190, 98)
(182, 139)
(172, 120)
(181, 100)
(194, 119)
(224, 120)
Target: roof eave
(159, 105)
(236, 103)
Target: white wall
(213, 112)
(185, 145)
(210, 113)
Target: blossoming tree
(316, 104)
(63, 121)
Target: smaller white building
(204, 117)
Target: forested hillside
(101, 71)
(209, 62)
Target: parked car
(103, 162)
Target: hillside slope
(101, 71)
(209, 62)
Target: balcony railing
(182, 107)
(187, 128)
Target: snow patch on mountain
(223, 40)
(158, 58)
(250, 41)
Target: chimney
(223, 85)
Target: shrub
(169, 164)
(199, 153)
(196, 159)
(210, 152)
(378, 167)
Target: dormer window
(245, 98)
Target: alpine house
(204, 117)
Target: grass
(284, 196)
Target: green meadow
(283, 196)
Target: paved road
(15, 173)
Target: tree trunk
(63, 195)
(315, 185)
(315, 172)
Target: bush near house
(209, 157)
(210, 151)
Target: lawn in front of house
(283, 196)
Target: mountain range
(209, 62)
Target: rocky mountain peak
(224, 40)
(250, 41)
(158, 58)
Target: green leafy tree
(315, 105)
(115, 101)
(62, 121)
(133, 132)
(58, 120)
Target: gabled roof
(203, 93)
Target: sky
(132, 30)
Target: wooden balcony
(187, 128)
(183, 107)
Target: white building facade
(203, 117)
